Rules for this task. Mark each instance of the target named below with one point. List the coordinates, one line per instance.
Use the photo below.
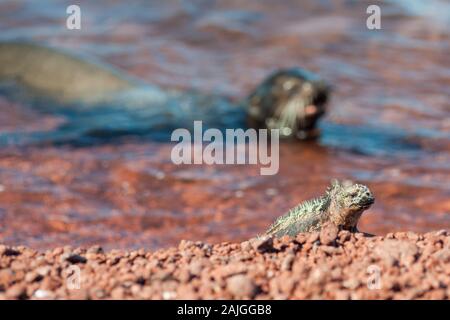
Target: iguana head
(347, 203)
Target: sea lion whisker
(287, 118)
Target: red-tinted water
(131, 195)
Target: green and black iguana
(342, 204)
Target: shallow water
(388, 124)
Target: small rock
(344, 235)
(329, 250)
(438, 294)
(313, 237)
(168, 295)
(10, 252)
(301, 238)
(140, 280)
(360, 235)
(185, 244)
(351, 283)
(50, 283)
(286, 265)
(328, 234)
(117, 293)
(318, 275)
(42, 294)
(412, 236)
(241, 286)
(196, 267)
(342, 295)
(95, 250)
(442, 255)
(284, 240)
(17, 291)
(44, 270)
(79, 294)
(246, 246)
(32, 277)
(6, 277)
(18, 265)
(58, 251)
(184, 276)
(76, 258)
(442, 232)
(263, 244)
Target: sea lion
(291, 100)
(58, 75)
(99, 99)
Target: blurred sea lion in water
(101, 101)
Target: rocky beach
(321, 265)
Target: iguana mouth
(366, 204)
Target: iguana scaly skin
(342, 204)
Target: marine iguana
(342, 204)
(98, 100)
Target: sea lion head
(291, 100)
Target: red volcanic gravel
(325, 265)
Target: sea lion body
(58, 75)
(100, 99)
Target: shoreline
(330, 264)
